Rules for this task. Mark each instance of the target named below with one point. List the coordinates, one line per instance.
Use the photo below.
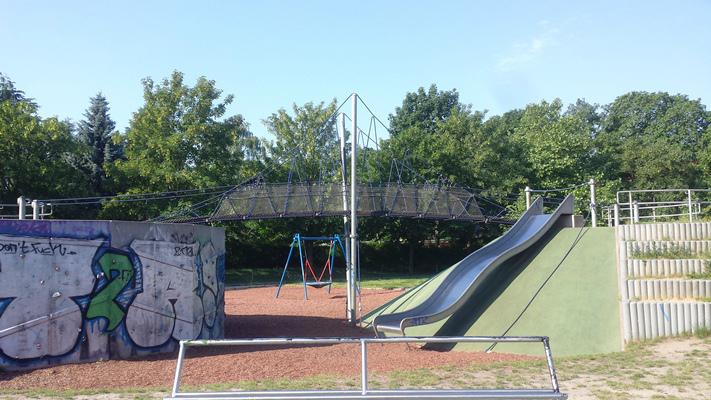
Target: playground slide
(472, 271)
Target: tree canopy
(96, 131)
(37, 156)
(184, 136)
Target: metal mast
(351, 312)
(344, 190)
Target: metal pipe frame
(696, 210)
(296, 242)
(633, 205)
(636, 191)
(364, 392)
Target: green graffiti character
(118, 270)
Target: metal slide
(472, 271)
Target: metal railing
(19, 210)
(593, 206)
(636, 206)
(8, 211)
(365, 392)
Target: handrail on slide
(470, 273)
(365, 392)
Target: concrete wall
(665, 231)
(78, 291)
(658, 297)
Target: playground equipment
(471, 272)
(308, 274)
(364, 392)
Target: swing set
(308, 274)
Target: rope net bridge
(325, 192)
(263, 200)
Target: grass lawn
(261, 276)
(678, 368)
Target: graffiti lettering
(8, 248)
(208, 277)
(178, 313)
(186, 238)
(44, 289)
(68, 293)
(184, 251)
(40, 248)
(118, 271)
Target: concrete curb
(664, 268)
(663, 289)
(650, 320)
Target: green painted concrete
(408, 300)
(578, 308)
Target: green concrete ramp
(577, 308)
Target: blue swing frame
(297, 242)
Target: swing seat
(317, 284)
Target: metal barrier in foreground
(365, 392)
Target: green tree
(305, 142)
(8, 92)
(37, 154)
(418, 139)
(499, 158)
(705, 157)
(654, 140)
(432, 134)
(181, 139)
(558, 146)
(96, 131)
(425, 109)
(590, 113)
(305, 145)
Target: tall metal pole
(354, 207)
(593, 204)
(344, 182)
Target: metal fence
(365, 392)
(658, 205)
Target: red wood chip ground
(256, 313)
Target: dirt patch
(256, 313)
(672, 368)
(675, 350)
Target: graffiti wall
(78, 291)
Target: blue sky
(270, 54)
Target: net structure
(285, 200)
(323, 192)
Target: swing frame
(296, 242)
